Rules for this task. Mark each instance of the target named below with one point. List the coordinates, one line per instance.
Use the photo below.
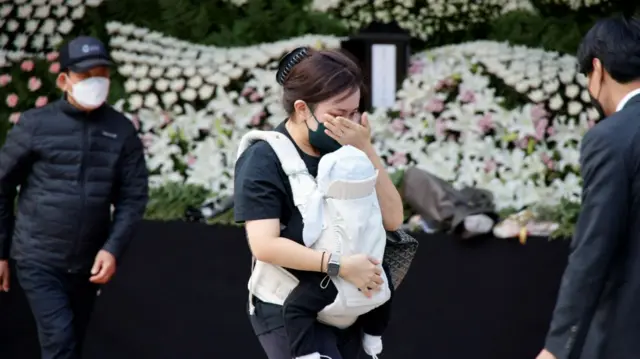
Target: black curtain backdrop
(180, 293)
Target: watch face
(333, 269)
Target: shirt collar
(626, 99)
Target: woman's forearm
(286, 253)
(388, 196)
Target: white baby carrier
(341, 215)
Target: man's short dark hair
(616, 43)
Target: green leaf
(531, 145)
(171, 201)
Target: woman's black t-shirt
(262, 191)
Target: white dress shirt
(626, 99)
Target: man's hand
(4, 276)
(104, 267)
(545, 354)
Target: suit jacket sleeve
(15, 163)
(131, 196)
(600, 228)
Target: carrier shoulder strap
(302, 183)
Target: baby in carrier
(341, 217)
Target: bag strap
(302, 183)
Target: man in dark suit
(597, 315)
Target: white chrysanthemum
(130, 85)
(189, 94)
(61, 11)
(162, 85)
(502, 150)
(78, 12)
(469, 138)
(6, 9)
(31, 26)
(12, 25)
(151, 100)
(144, 85)
(169, 98)
(135, 102)
(20, 41)
(205, 92)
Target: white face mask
(91, 93)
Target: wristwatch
(333, 266)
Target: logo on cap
(86, 48)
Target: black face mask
(320, 140)
(596, 104)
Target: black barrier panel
(180, 293)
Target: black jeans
(332, 342)
(303, 304)
(61, 303)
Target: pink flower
(440, 85)
(397, 125)
(27, 66)
(191, 160)
(548, 161)
(52, 56)
(490, 165)
(538, 112)
(255, 97)
(467, 96)
(34, 84)
(445, 84)
(166, 119)
(4, 79)
(12, 100)
(435, 105)
(41, 101)
(255, 119)
(541, 128)
(147, 140)
(54, 68)
(441, 127)
(486, 123)
(398, 159)
(14, 117)
(416, 67)
(523, 142)
(551, 165)
(551, 131)
(247, 91)
(135, 120)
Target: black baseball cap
(82, 54)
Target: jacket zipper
(82, 182)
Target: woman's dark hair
(314, 76)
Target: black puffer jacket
(71, 166)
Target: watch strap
(333, 266)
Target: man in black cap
(73, 160)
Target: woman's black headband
(289, 61)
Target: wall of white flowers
(192, 103)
